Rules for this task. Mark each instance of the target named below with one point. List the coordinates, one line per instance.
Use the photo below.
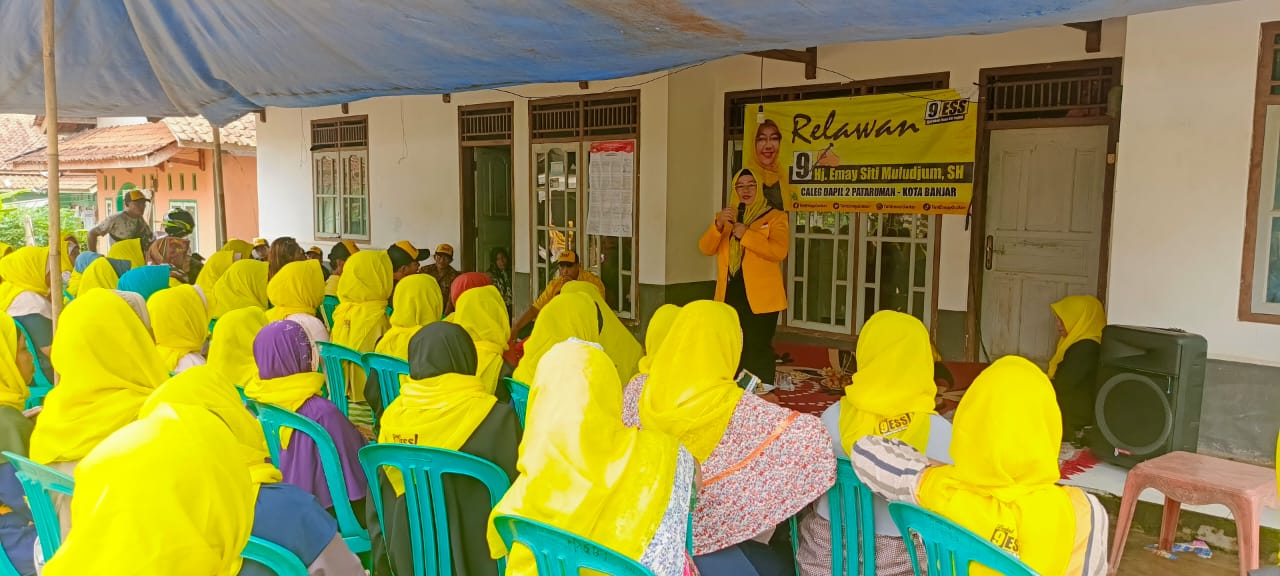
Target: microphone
(742, 211)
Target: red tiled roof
(18, 135)
(35, 181)
(195, 132)
(138, 144)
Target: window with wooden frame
(585, 183)
(845, 267)
(340, 177)
(1260, 277)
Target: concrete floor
(1141, 562)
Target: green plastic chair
(273, 418)
(519, 397)
(37, 482)
(559, 553)
(851, 507)
(327, 306)
(423, 470)
(212, 323)
(332, 357)
(389, 370)
(274, 556)
(7, 568)
(40, 384)
(949, 547)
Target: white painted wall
(414, 179)
(1182, 175)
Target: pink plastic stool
(1186, 478)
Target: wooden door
(493, 210)
(1044, 219)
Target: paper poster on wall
(896, 153)
(611, 196)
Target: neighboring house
(172, 159)
(21, 134)
(1145, 200)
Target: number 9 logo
(932, 109)
(802, 167)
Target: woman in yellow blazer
(750, 240)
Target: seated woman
(129, 251)
(566, 316)
(616, 338)
(98, 272)
(180, 323)
(108, 366)
(283, 513)
(483, 314)
(214, 268)
(295, 293)
(464, 282)
(17, 533)
(892, 396)
(444, 405)
(659, 326)
(417, 302)
(582, 471)
(243, 286)
(761, 463)
(145, 281)
(25, 290)
(231, 346)
(286, 378)
(1074, 367)
(1005, 445)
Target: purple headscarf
(282, 349)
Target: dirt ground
(1138, 561)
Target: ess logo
(1006, 539)
(943, 111)
(894, 425)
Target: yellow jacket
(766, 241)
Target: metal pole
(219, 203)
(51, 129)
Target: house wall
(183, 181)
(1179, 214)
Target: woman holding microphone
(749, 240)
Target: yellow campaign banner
(896, 153)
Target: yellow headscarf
(617, 340)
(179, 321)
(442, 408)
(483, 313)
(758, 206)
(164, 495)
(690, 392)
(1084, 319)
(231, 348)
(67, 264)
(244, 285)
(418, 302)
(361, 316)
(298, 288)
(218, 263)
(238, 246)
(13, 387)
(659, 325)
(581, 469)
(566, 316)
(99, 274)
(5, 249)
(109, 366)
(130, 250)
(204, 387)
(892, 393)
(1005, 444)
(25, 270)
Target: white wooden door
(1044, 230)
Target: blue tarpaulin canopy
(224, 58)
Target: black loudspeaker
(1150, 388)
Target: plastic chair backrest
(213, 322)
(273, 418)
(559, 553)
(332, 356)
(389, 370)
(40, 384)
(327, 306)
(949, 547)
(7, 568)
(519, 397)
(423, 470)
(37, 482)
(275, 557)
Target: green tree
(13, 229)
